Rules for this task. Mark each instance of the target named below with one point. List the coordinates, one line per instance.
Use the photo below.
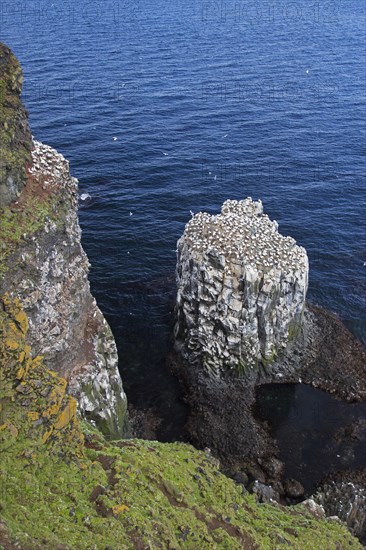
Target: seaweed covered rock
(15, 136)
(93, 494)
(241, 288)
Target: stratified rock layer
(44, 265)
(241, 288)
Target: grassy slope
(65, 486)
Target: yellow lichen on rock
(47, 435)
(22, 320)
(20, 373)
(67, 414)
(35, 398)
(119, 508)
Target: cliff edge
(15, 136)
(97, 494)
(43, 263)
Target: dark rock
(265, 493)
(293, 488)
(241, 478)
(256, 474)
(273, 467)
(344, 496)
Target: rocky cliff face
(43, 264)
(99, 494)
(242, 321)
(345, 498)
(241, 288)
(15, 136)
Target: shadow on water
(143, 330)
(316, 433)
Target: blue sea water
(163, 107)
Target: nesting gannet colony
(241, 287)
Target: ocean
(165, 107)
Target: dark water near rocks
(163, 107)
(316, 433)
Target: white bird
(85, 196)
(115, 139)
(165, 154)
(191, 213)
(131, 213)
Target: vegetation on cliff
(15, 136)
(65, 486)
(36, 206)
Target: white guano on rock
(241, 288)
(49, 274)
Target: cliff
(92, 492)
(15, 137)
(242, 321)
(241, 288)
(43, 264)
(96, 494)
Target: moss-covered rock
(35, 407)
(64, 486)
(15, 136)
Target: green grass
(74, 488)
(20, 224)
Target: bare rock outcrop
(241, 321)
(344, 497)
(241, 288)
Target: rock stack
(241, 288)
